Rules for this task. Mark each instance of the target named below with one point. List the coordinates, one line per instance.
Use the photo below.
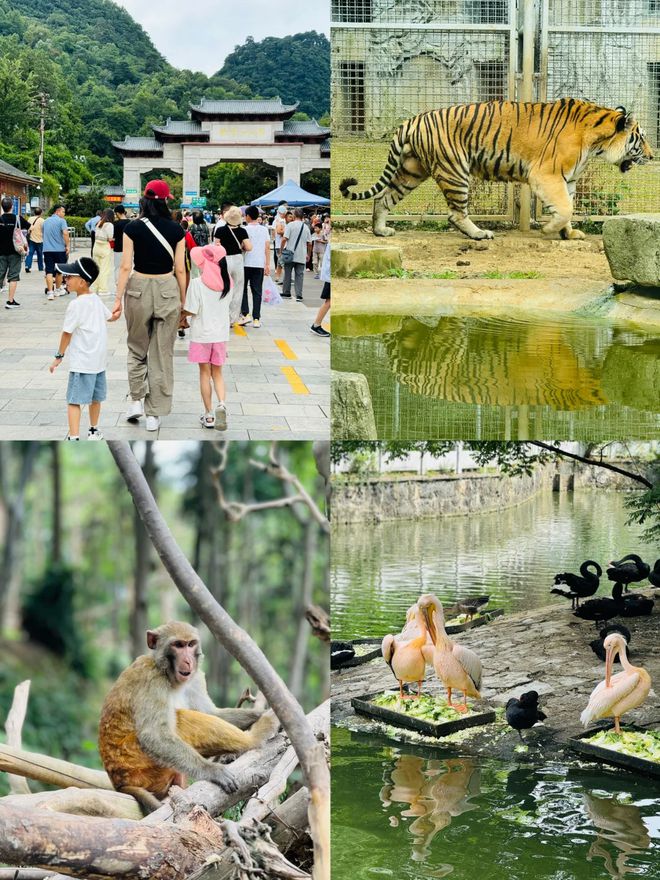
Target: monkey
(159, 725)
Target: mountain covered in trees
(296, 68)
(99, 78)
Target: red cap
(157, 189)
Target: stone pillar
(132, 182)
(289, 171)
(190, 174)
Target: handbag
(286, 257)
(19, 239)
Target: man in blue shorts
(56, 250)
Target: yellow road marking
(286, 350)
(296, 383)
(239, 331)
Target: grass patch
(405, 274)
(494, 273)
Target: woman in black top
(236, 241)
(155, 289)
(10, 260)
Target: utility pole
(43, 103)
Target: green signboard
(199, 202)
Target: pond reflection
(501, 378)
(415, 813)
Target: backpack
(20, 239)
(200, 233)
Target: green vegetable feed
(427, 708)
(635, 743)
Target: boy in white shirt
(85, 335)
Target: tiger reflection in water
(492, 362)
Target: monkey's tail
(264, 728)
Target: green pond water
(405, 812)
(379, 569)
(542, 377)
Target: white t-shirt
(259, 235)
(85, 318)
(210, 321)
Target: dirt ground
(509, 253)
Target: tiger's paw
(385, 231)
(482, 233)
(575, 235)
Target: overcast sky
(199, 35)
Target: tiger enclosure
(101, 547)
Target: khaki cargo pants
(153, 309)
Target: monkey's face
(183, 658)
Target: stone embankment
(546, 650)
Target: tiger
(546, 145)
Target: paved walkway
(277, 377)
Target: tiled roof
(308, 126)
(139, 144)
(325, 147)
(240, 108)
(179, 126)
(107, 190)
(11, 171)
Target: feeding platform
(365, 650)
(636, 749)
(428, 715)
(462, 622)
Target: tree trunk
(310, 752)
(139, 617)
(14, 499)
(303, 635)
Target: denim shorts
(86, 388)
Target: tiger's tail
(391, 167)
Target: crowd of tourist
(181, 273)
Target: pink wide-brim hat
(207, 259)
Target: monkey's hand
(222, 777)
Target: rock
(352, 410)
(462, 262)
(480, 246)
(347, 260)
(632, 248)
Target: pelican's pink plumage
(404, 653)
(619, 693)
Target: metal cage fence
(392, 59)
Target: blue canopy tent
(294, 195)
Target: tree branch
(603, 464)
(241, 646)
(14, 727)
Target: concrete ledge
(480, 297)
(632, 248)
(349, 259)
(352, 410)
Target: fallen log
(79, 802)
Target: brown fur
(153, 733)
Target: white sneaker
(61, 291)
(94, 434)
(220, 417)
(152, 423)
(244, 319)
(135, 410)
(51, 297)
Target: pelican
(456, 666)
(404, 653)
(618, 693)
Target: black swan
(636, 605)
(602, 609)
(625, 573)
(597, 644)
(340, 653)
(654, 575)
(580, 587)
(524, 713)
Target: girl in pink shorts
(207, 304)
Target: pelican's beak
(430, 625)
(609, 660)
